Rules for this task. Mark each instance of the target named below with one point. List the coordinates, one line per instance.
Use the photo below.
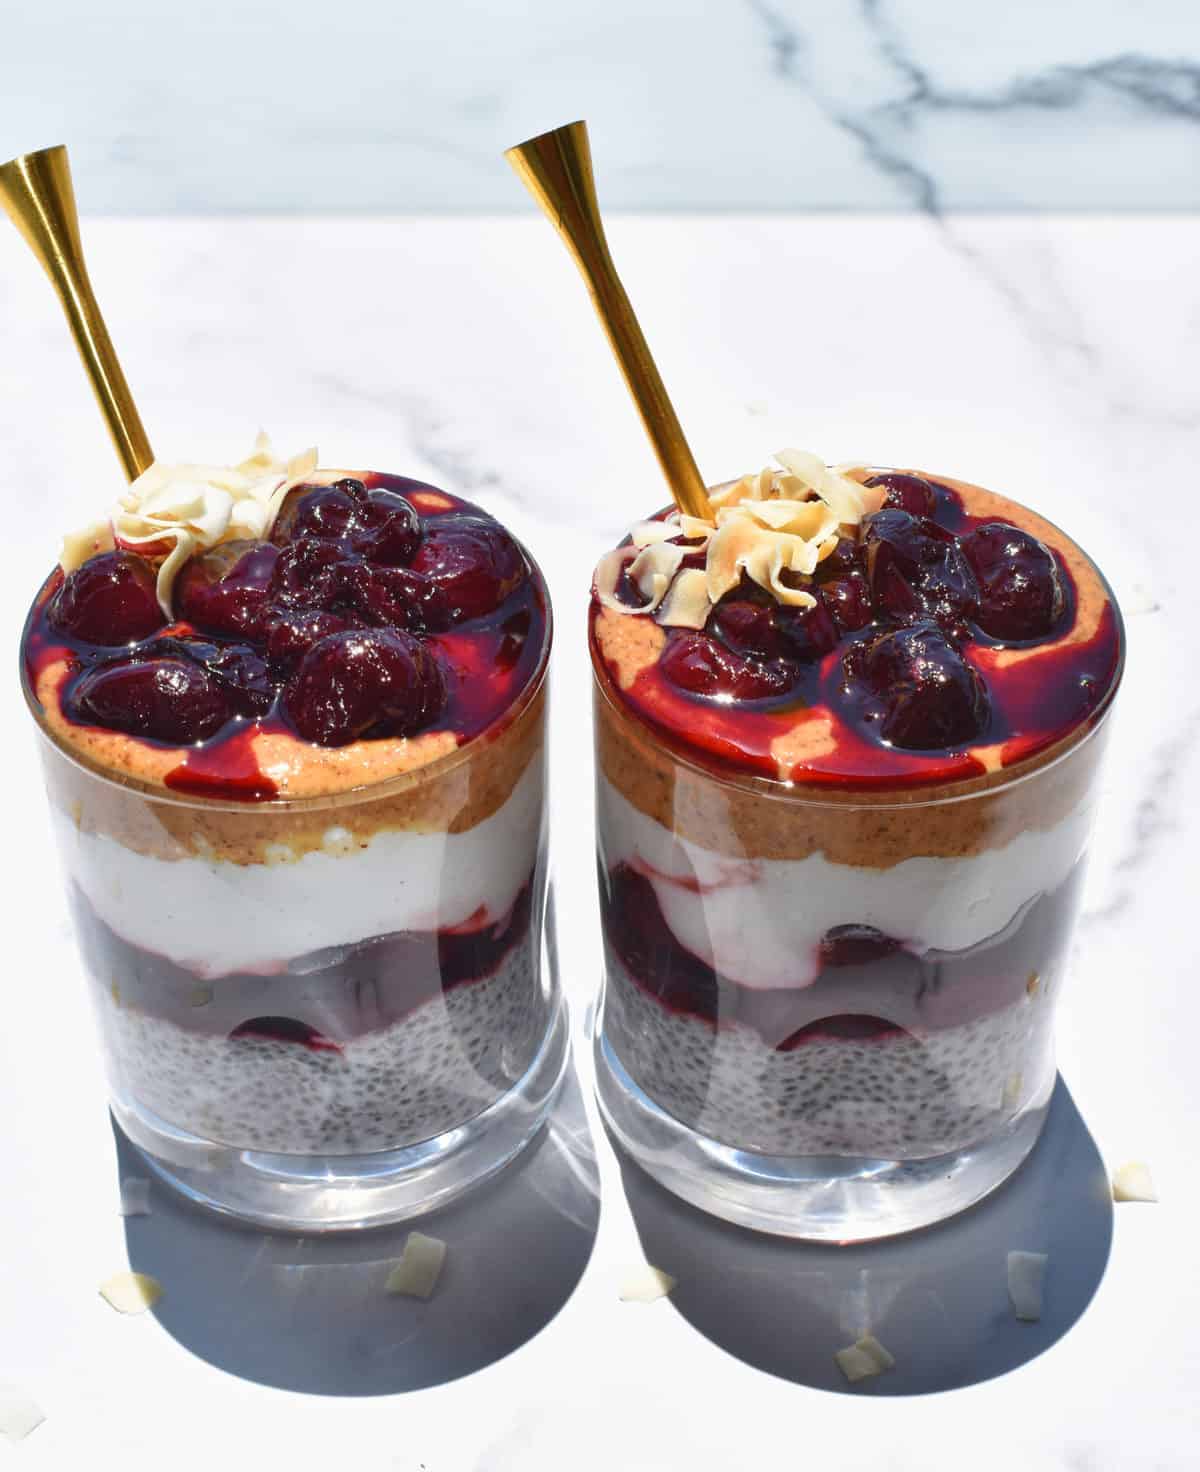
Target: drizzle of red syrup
(226, 768)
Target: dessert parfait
(848, 730)
(294, 745)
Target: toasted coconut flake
(864, 1358)
(18, 1414)
(417, 1273)
(1026, 1274)
(645, 1284)
(646, 533)
(135, 1196)
(89, 541)
(686, 605)
(1133, 1182)
(131, 1293)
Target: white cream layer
(214, 917)
(760, 921)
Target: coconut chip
(864, 1358)
(18, 1414)
(1026, 1274)
(1133, 1182)
(420, 1266)
(645, 1284)
(131, 1293)
(774, 527)
(135, 1196)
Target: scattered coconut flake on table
(1026, 1274)
(419, 1268)
(645, 1284)
(18, 1414)
(135, 1196)
(131, 1293)
(864, 1358)
(1133, 1182)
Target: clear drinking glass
(900, 1082)
(416, 1037)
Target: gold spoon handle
(556, 168)
(36, 191)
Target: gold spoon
(556, 168)
(36, 191)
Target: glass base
(319, 1193)
(814, 1198)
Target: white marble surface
(246, 105)
(1056, 360)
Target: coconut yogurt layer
(847, 739)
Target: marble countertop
(1054, 359)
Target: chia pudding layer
(311, 921)
(837, 904)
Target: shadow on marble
(310, 1313)
(937, 1299)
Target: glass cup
(414, 1038)
(765, 1048)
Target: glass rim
(383, 788)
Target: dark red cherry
(909, 550)
(324, 513)
(909, 493)
(224, 590)
(389, 530)
(747, 628)
(913, 542)
(1021, 594)
(109, 600)
(245, 677)
(849, 601)
(166, 699)
(398, 597)
(474, 562)
(241, 672)
(808, 633)
(290, 634)
(369, 682)
(698, 664)
(930, 698)
(308, 574)
(855, 945)
(847, 557)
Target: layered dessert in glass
(848, 734)
(294, 745)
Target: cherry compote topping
(905, 654)
(110, 600)
(343, 627)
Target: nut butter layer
(437, 788)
